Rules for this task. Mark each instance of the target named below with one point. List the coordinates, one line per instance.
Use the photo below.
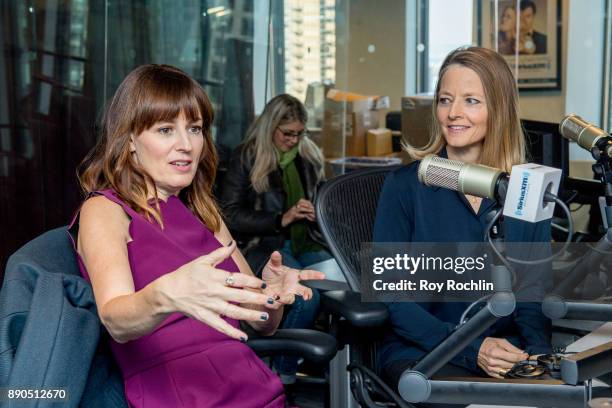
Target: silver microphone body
(587, 135)
(472, 179)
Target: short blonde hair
(504, 143)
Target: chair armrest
(348, 304)
(325, 284)
(312, 345)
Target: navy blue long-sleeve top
(409, 211)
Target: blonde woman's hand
(302, 209)
(283, 282)
(200, 290)
(307, 208)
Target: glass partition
(51, 87)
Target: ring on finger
(229, 281)
(502, 373)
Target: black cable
(570, 233)
(595, 249)
(380, 383)
(463, 318)
(578, 208)
(490, 241)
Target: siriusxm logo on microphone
(524, 187)
(527, 187)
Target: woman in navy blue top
(476, 120)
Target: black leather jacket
(254, 218)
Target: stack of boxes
(360, 116)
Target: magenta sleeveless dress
(183, 362)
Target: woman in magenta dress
(169, 284)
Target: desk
(599, 336)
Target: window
(449, 26)
(247, 27)
(309, 35)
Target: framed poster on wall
(528, 34)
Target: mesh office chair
(346, 209)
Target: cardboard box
(355, 113)
(379, 142)
(354, 101)
(356, 124)
(416, 119)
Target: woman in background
(267, 199)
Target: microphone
(472, 179)
(525, 194)
(587, 135)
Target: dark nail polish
(264, 316)
(277, 297)
(270, 301)
(264, 285)
(243, 339)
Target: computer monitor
(545, 145)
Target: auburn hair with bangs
(148, 95)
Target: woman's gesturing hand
(497, 356)
(283, 282)
(200, 290)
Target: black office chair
(346, 209)
(45, 301)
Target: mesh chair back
(346, 208)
